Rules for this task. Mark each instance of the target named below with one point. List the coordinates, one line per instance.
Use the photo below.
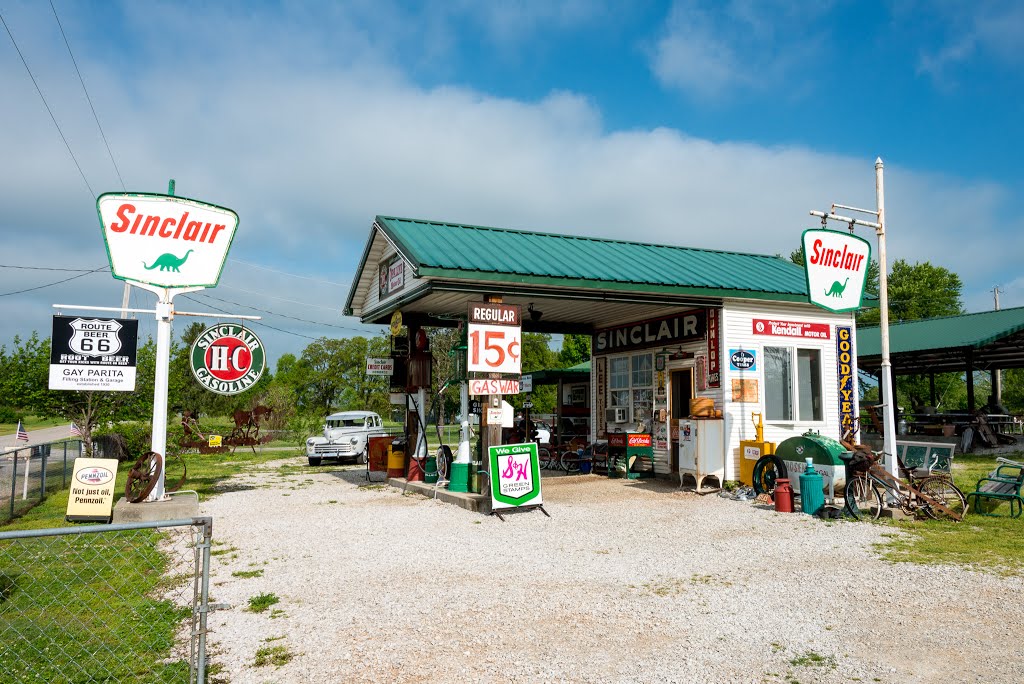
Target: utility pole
(886, 390)
(997, 375)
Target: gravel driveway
(628, 581)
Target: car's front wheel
(361, 458)
(314, 461)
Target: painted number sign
(837, 268)
(227, 358)
(165, 241)
(495, 338)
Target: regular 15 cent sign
(93, 354)
(164, 240)
(227, 358)
(495, 338)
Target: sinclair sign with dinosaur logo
(165, 241)
(837, 268)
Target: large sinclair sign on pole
(165, 241)
(837, 268)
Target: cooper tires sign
(227, 358)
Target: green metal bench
(1002, 484)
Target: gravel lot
(629, 581)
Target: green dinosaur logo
(167, 262)
(835, 291)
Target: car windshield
(345, 422)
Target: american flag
(22, 435)
(75, 430)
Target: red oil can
(783, 496)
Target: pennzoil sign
(164, 240)
(227, 358)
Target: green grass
(247, 574)
(108, 620)
(273, 655)
(984, 542)
(260, 602)
(31, 423)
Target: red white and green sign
(837, 268)
(165, 241)
(495, 338)
(227, 358)
(515, 476)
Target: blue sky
(707, 124)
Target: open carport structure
(985, 341)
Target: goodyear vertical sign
(847, 388)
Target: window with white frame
(792, 384)
(631, 384)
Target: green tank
(824, 452)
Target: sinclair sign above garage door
(165, 241)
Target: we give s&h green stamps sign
(515, 476)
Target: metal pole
(887, 395)
(997, 374)
(28, 467)
(204, 605)
(42, 473)
(64, 472)
(14, 482)
(164, 316)
(462, 454)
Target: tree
(919, 291)
(575, 349)
(337, 375)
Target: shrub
(9, 415)
(133, 439)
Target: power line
(281, 315)
(40, 287)
(38, 90)
(47, 268)
(283, 299)
(293, 275)
(261, 323)
(82, 81)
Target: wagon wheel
(177, 462)
(142, 477)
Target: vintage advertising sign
(380, 366)
(846, 368)
(482, 386)
(515, 475)
(745, 391)
(91, 496)
(743, 360)
(391, 277)
(714, 360)
(814, 331)
(837, 268)
(526, 383)
(651, 333)
(93, 354)
(227, 358)
(164, 240)
(495, 338)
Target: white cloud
(711, 49)
(308, 158)
(972, 31)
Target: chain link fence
(105, 603)
(30, 474)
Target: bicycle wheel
(570, 462)
(946, 493)
(767, 470)
(544, 457)
(863, 498)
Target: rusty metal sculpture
(247, 428)
(192, 436)
(142, 477)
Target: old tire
(767, 470)
(314, 461)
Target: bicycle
(868, 485)
(595, 453)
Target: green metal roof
(448, 250)
(549, 376)
(974, 331)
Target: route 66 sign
(93, 354)
(94, 337)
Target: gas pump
(458, 480)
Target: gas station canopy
(431, 270)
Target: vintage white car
(346, 435)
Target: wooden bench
(1002, 484)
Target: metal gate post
(64, 473)
(14, 482)
(204, 600)
(42, 474)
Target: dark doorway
(682, 391)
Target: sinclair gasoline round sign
(227, 358)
